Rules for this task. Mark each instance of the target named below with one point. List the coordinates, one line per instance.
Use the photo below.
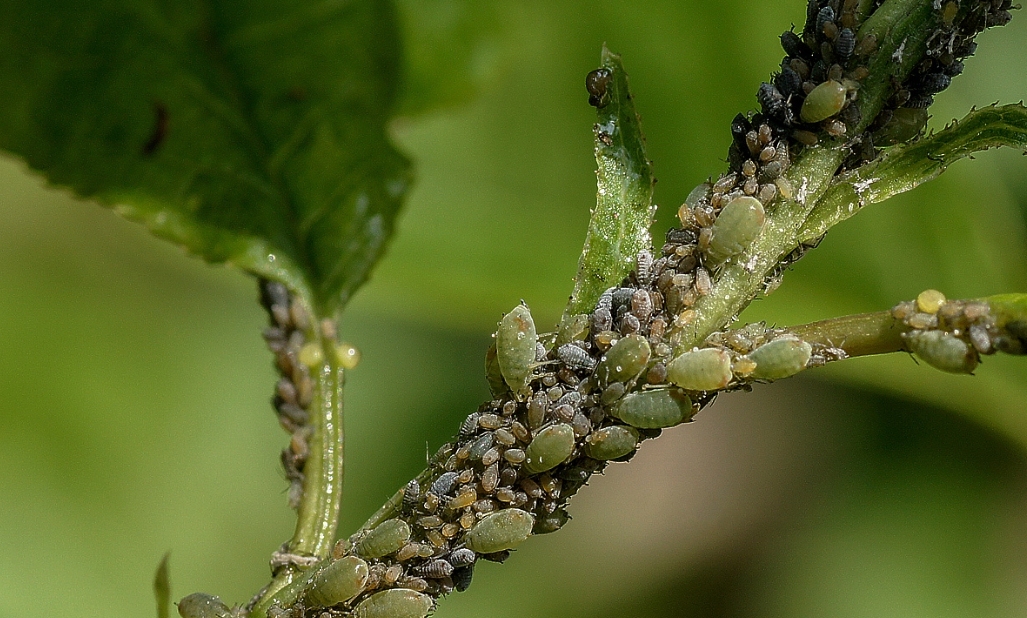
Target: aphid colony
(565, 405)
(816, 92)
(950, 335)
(297, 349)
(287, 337)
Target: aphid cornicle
(625, 360)
(708, 369)
(500, 531)
(611, 442)
(200, 605)
(942, 350)
(654, 409)
(386, 538)
(394, 603)
(737, 226)
(338, 581)
(781, 358)
(824, 101)
(515, 348)
(550, 448)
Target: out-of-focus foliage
(248, 132)
(136, 415)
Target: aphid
(507, 476)
(338, 581)
(629, 324)
(773, 102)
(551, 522)
(788, 82)
(515, 348)
(930, 301)
(490, 478)
(407, 552)
(200, 605)
(480, 446)
(386, 538)
(394, 603)
(654, 409)
(824, 17)
(625, 360)
(464, 498)
(708, 369)
(392, 574)
(581, 425)
(942, 350)
(536, 413)
(574, 328)
(514, 455)
(462, 578)
(824, 101)
(980, 339)
(643, 266)
(597, 83)
(504, 437)
(611, 442)
(160, 129)
(489, 421)
(641, 305)
(867, 45)
(780, 358)
(738, 224)
(573, 356)
(703, 283)
(845, 44)
(347, 356)
(470, 425)
(444, 484)
(462, 557)
(794, 46)
(933, 83)
(436, 569)
(490, 457)
(550, 448)
(494, 375)
(500, 531)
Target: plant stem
(318, 512)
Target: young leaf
(619, 227)
(252, 133)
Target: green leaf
(162, 587)
(247, 132)
(906, 167)
(619, 227)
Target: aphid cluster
(951, 335)
(288, 338)
(565, 404)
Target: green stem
(318, 513)
(857, 335)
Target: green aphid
(824, 101)
(500, 530)
(905, 124)
(386, 538)
(515, 348)
(708, 369)
(573, 328)
(395, 603)
(494, 375)
(942, 350)
(625, 360)
(200, 605)
(550, 448)
(654, 409)
(338, 581)
(611, 442)
(780, 358)
(736, 227)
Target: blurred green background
(136, 420)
